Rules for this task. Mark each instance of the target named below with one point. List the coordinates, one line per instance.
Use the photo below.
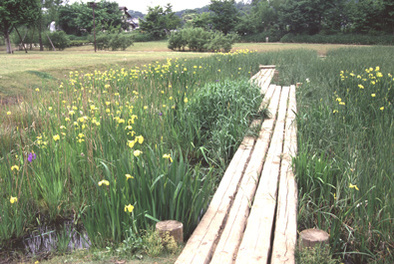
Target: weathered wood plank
(263, 79)
(267, 67)
(266, 81)
(285, 235)
(201, 244)
(256, 242)
(236, 221)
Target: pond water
(44, 240)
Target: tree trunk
(20, 37)
(39, 37)
(8, 42)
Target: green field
(22, 72)
(148, 129)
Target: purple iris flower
(160, 114)
(32, 156)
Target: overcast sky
(142, 6)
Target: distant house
(132, 23)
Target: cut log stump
(174, 229)
(312, 237)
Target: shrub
(114, 41)
(76, 43)
(102, 41)
(139, 36)
(177, 40)
(219, 41)
(120, 41)
(198, 39)
(59, 39)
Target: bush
(222, 42)
(198, 39)
(120, 41)
(177, 40)
(115, 41)
(59, 39)
(77, 43)
(102, 40)
(139, 36)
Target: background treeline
(318, 21)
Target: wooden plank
(266, 81)
(267, 66)
(263, 79)
(201, 244)
(256, 242)
(236, 221)
(285, 236)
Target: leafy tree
(369, 16)
(159, 21)
(310, 16)
(203, 20)
(14, 13)
(77, 18)
(225, 15)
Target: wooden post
(174, 228)
(53, 47)
(312, 237)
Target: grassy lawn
(21, 72)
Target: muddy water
(44, 241)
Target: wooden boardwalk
(252, 216)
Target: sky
(142, 6)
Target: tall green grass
(143, 131)
(120, 149)
(345, 163)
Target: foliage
(202, 20)
(318, 254)
(59, 39)
(159, 22)
(121, 41)
(14, 13)
(225, 15)
(136, 151)
(308, 16)
(77, 18)
(221, 109)
(115, 41)
(139, 36)
(198, 39)
(345, 136)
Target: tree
(225, 15)
(202, 20)
(159, 22)
(372, 16)
(14, 13)
(78, 17)
(310, 16)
